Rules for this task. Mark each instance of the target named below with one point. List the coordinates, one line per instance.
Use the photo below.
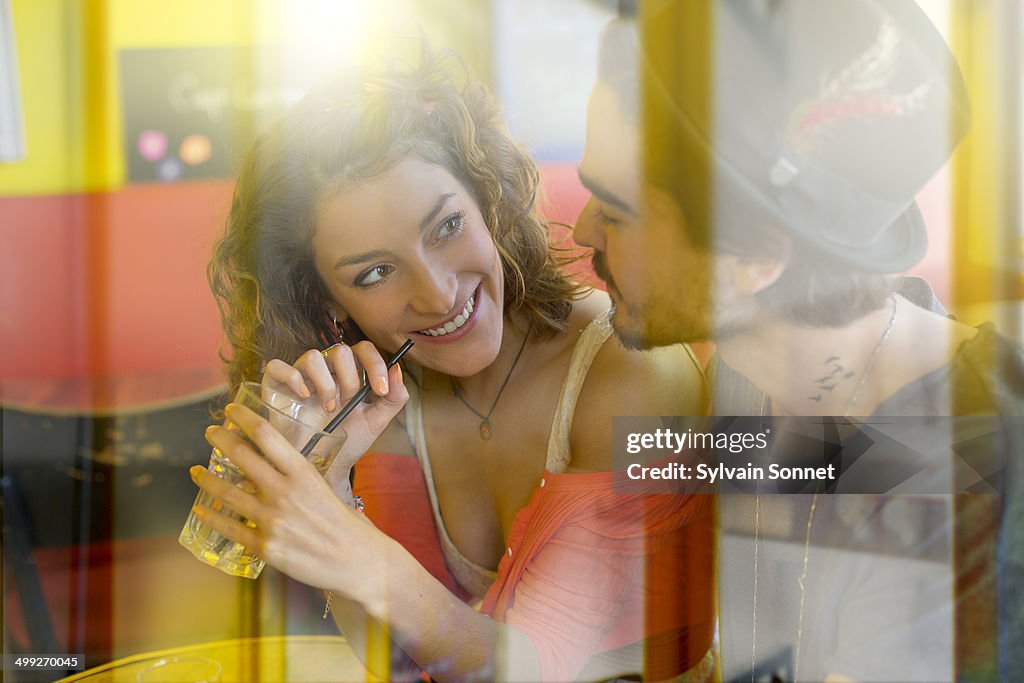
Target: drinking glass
(300, 421)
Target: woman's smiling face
(407, 255)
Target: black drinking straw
(351, 405)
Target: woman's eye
(373, 276)
(451, 226)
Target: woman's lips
(459, 331)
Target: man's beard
(632, 339)
(636, 338)
(642, 326)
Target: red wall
(104, 300)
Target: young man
(753, 177)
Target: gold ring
(328, 349)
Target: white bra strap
(590, 342)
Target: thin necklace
(872, 358)
(810, 515)
(486, 430)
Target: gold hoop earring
(339, 333)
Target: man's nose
(434, 289)
(589, 231)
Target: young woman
(390, 205)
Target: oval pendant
(485, 430)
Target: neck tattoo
(836, 373)
(827, 384)
(486, 431)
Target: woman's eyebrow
(436, 210)
(380, 253)
(354, 259)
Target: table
(269, 658)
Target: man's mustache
(599, 262)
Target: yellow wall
(67, 54)
(68, 69)
(41, 37)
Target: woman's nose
(435, 289)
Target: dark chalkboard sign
(191, 112)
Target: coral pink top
(590, 571)
(603, 583)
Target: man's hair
(353, 129)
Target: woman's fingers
(342, 363)
(376, 369)
(241, 454)
(384, 409)
(268, 441)
(233, 497)
(278, 372)
(338, 371)
(339, 367)
(231, 528)
(314, 364)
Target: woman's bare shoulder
(658, 378)
(623, 382)
(585, 309)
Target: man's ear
(752, 274)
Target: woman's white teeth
(452, 325)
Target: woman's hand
(335, 377)
(302, 528)
(304, 531)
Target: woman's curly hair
(353, 128)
